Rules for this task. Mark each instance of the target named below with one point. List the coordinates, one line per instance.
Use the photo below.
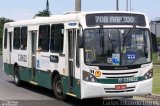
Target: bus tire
(57, 88)
(16, 76)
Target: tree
(44, 13)
(5, 20)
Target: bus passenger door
(33, 53)
(71, 59)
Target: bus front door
(33, 49)
(71, 59)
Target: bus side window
(23, 38)
(16, 42)
(57, 35)
(44, 34)
(5, 38)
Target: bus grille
(119, 74)
(113, 90)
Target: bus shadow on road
(70, 101)
(35, 89)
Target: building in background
(155, 28)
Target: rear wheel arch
(16, 75)
(57, 83)
(54, 73)
(15, 65)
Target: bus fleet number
(22, 58)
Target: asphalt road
(30, 95)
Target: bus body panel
(94, 90)
(38, 66)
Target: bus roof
(70, 16)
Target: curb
(156, 65)
(156, 95)
(153, 96)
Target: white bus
(85, 55)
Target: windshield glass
(116, 46)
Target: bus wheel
(58, 89)
(17, 80)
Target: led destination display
(115, 19)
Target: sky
(26, 9)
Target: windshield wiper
(130, 30)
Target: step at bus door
(71, 59)
(33, 51)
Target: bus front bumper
(98, 90)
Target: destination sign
(115, 19)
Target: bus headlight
(89, 77)
(148, 75)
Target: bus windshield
(112, 47)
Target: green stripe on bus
(8, 69)
(120, 80)
(25, 73)
(76, 87)
(44, 79)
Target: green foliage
(158, 41)
(5, 20)
(155, 58)
(156, 80)
(44, 13)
